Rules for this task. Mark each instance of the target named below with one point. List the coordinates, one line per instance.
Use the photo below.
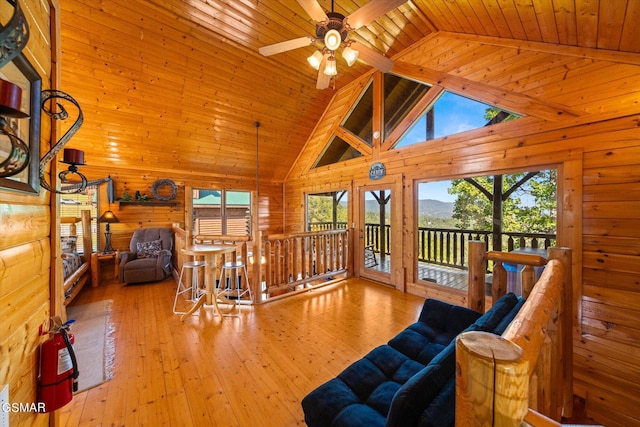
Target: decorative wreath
(161, 183)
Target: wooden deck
(444, 276)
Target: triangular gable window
(338, 150)
(360, 121)
(452, 114)
(400, 97)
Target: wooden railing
(446, 246)
(526, 373)
(301, 261)
(288, 264)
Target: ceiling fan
(332, 29)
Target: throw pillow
(149, 249)
(69, 243)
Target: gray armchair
(149, 256)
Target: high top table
(210, 254)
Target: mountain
(435, 208)
(429, 207)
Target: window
(337, 151)
(327, 211)
(217, 212)
(71, 205)
(450, 213)
(452, 114)
(400, 96)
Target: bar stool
(235, 270)
(195, 267)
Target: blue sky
(453, 114)
(435, 190)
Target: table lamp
(109, 218)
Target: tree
(529, 209)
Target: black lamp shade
(109, 217)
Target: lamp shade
(330, 68)
(315, 60)
(332, 39)
(349, 55)
(109, 217)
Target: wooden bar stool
(193, 288)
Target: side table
(98, 258)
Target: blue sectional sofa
(410, 381)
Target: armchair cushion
(148, 249)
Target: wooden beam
(510, 101)
(557, 49)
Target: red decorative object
(11, 100)
(73, 156)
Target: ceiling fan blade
(371, 11)
(372, 57)
(272, 49)
(313, 9)
(323, 80)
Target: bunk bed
(76, 267)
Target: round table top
(210, 248)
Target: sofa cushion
(438, 324)
(500, 315)
(421, 390)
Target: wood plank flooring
(251, 370)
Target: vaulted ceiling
(178, 85)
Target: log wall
(26, 250)
(131, 217)
(582, 118)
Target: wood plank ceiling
(177, 85)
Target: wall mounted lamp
(73, 158)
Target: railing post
(565, 328)
(499, 284)
(477, 271)
(492, 381)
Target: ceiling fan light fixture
(332, 39)
(330, 68)
(315, 59)
(349, 55)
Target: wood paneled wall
(270, 211)
(26, 252)
(595, 145)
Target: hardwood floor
(251, 370)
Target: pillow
(149, 249)
(69, 243)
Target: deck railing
(447, 246)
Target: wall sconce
(109, 218)
(73, 158)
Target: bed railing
(527, 372)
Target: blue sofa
(410, 381)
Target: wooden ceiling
(178, 85)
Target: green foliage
(320, 209)
(531, 208)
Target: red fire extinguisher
(58, 368)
